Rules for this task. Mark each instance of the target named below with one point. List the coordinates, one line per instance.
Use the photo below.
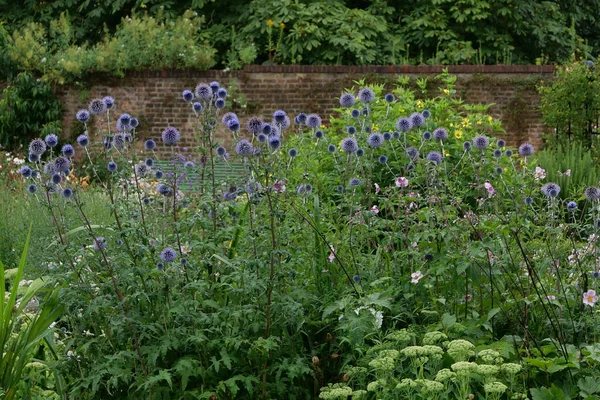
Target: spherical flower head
(331, 148)
(426, 135)
(480, 142)
(197, 107)
(220, 103)
(112, 166)
(262, 138)
(355, 113)
(109, 102)
(403, 124)
(354, 182)
(158, 174)
(214, 85)
(383, 159)
(83, 116)
(501, 143)
(498, 170)
(440, 134)
(351, 130)
(68, 151)
(304, 189)
(293, 153)
(233, 125)
(390, 98)
(528, 200)
(572, 206)
(32, 188)
(170, 136)
(99, 243)
(592, 193)
(125, 119)
(203, 92)
(550, 189)
(417, 119)
(279, 116)
(51, 140)
(313, 121)
(62, 164)
(435, 157)
(222, 93)
(67, 193)
(525, 150)
(274, 142)
(83, 140)
(243, 148)
(163, 189)
(221, 151)
(267, 129)
(26, 171)
(396, 135)
(360, 152)
(255, 124)
(375, 140)
(319, 134)
(426, 114)
(149, 162)
(412, 153)
(97, 107)
(168, 255)
(134, 123)
(187, 95)
(301, 118)
(37, 147)
(508, 153)
(150, 145)
(160, 266)
(366, 95)
(119, 141)
(141, 169)
(349, 145)
(497, 153)
(49, 169)
(347, 100)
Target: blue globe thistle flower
(550, 189)
(97, 107)
(26, 171)
(410, 167)
(525, 150)
(37, 147)
(274, 142)
(67, 193)
(34, 174)
(267, 129)
(134, 123)
(112, 166)
(168, 255)
(293, 152)
(354, 182)
(497, 153)
(68, 151)
(183, 261)
(262, 138)
(301, 118)
(319, 134)
(340, 188)
(428, 257)
(592, 193)
(366, 111)
(243, 148)
(508, 153)
(467, 146)
(349, 145)
(412, 153)
(427, 135)
(120, 127)
(233, 125)
(498, 170)
(440, 134)
(163, 189)
(347, 100)
(366, 95)
(596, 274)
(331, 148)
(109, 102)
(355, 113)
(203, 92)
(220, 103)
(119, 141)
(170, 136)
(83, 140)
(99, 243)
(149, 162)
(125, 119)
(500, 143)
(222, 93)
(51, 140)
(390, 98)
(304, 189)
(571, 206)
(360, 152)
(396, 135)
(283, 125)
(158, 174)
(128, 138)
(230, 195)
(189, 164)
(150, 145)
(435, 157)
(56, 178)
(356, 278)
(351, 130)
(221, 151)
(215, 86)
(387, 136)
(32, 188)
(62, 164)
(255, 124)
(83, 116)
(160, 266)
(403, 124)
(197, 107)
(383, 159)
(375, 140)
(417, 119)
(49, 169)
(313, 121)
(279, 116)
(480, 142)
(426, 114)
(187, 95)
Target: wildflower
(109, 102)
(497, 153)
(331, 254)
(568, 172)
(592, 193)
(458, 134)
(68, 151)
(279, 186)
(490, 189)
(416, 119)
(304, 189)
(203, 91)
(375, 140)
(572, 206)
(99, 243)
(354, 182)
(222, 93)
(383, 159)
(550, 189)
(270, 23)
(412, 153)
(360, 152)
(401, 182)
(82, 116)
(32, 188)
(481, 142)
(539, 173)
(440, 134)
(67, 193)
(82, 140)
(396, 135)
(26, 171)
(349, 145)
(62, 164)
(112, 166)
(426, 114)
(168, 255)
(279, 116)
(170, 136)
(214, 86)
(318, 134)
(243, 148)
(374, 210)
(426, 135)
(37, 147)
(416, 277)
(403, 124)
(97, 107)
(500, 143)
(590, 298)
(551, 297)
(150, 145)
(366, 95)
(141, 169)
(525, 150)
(377, 188)
(528, 200)
(347, 100)
(274, 142)
(187, 95)
(355, 113)
(495, 387)
(313, 121)
(435, 157)
(220, 103)
(51, 140)
(508, 153)
(163, 189)
(331, 148)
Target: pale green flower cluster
(359, 394)
(461, 350)
(357, 372)
(487, 370)
(386, 360)
(510, 368)
(336, 391)
(444, 375)
(490, 356)
(406, 383)
(464, 368)
(434, 337)
(495, 387)
(428, 386)
(402, 335)
(376, 386)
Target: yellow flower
(270, 23)
(458, 134)
(490, 119)
(478, 122)
(466, 122)
(281, 25)
(446, 91)
(446, 154)
(420, 104)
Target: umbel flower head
(170, 136)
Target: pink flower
(331, 254)
(490, 189)
(539, 173)
(374, 210)
(568, 172)
(279, 186)
(401, 182)
(468, 298)
(377, 188)
(550, 297)
(416, 277)
(590, 298)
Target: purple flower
(109, 102)
(526, 150)
(481, 142)
(37, 147)
(97, 107)
(197, 107)
(187, 95)
(222, 93)
(366, 95)
(375, 140)
(204, 91)
(279, 116)
(313, 121)
(51, 140)
(255, 124)
(403, 124)
(390, 98)
(349, 145)
(550, 189)
(99, 243)
(150, 145)
(435, 157)
(347, 100)
(440, 134)
(83, 116)
(168, 254)
(170, 136)
(243, 148)
(68, 150)
(417, 119)
(592, 193)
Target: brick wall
(155, 97)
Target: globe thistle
(49, 169)
(304, 189)
(37, 147)
(347, 100)
(99, 243)
(26, 171)
(62, 164)
(255, 124)
(396, 135)
(331, 148)
(149, 162)
(214, 86)
(262, 138)
(170, 136)
(119, 141)
(221, 151)
(375, 140)
(319, 134)
(526, 150)
(435, 157)
(293, 153)
(34, 174)
(267, 129)
(274, 142)
(417, 119)
(550, 189)
(426, 114)
(112, 166)
(412, 153)
(500, 143)
(383, 159)
(279, 116)
(158, 174)
(313, 121)
(67, 193)
(355, 113)
(528, 200)
(134, 123)
(222, 93)
(122, 128)
(508, 153)
(83, 116)
(349, 145)
(160, 266)
(68, 151)
(497, 153)
(109, 102)
(168, 255)
(197, 107)
(187, 95)
(83, 140)
(301, 118)
(150, 145)
(592, 193)
(125, 119)
(572, 206)
(403, 124)
(426, 135)
(141, 169)
(32, 188)
(480, 142)
(220, 103)
(97, 107)
(243, 148)
(440, 134)
(366, 95)
(498, 170)
(390, 98)
(596, 274)
(51, 140)
(387, 136)
(163, 189)
(340, 188)
(203, 92)
(56, 178)
(360, 152)
(351, 130)
(230, 195)
(233, 125)
(467, 146)
(354, 182)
